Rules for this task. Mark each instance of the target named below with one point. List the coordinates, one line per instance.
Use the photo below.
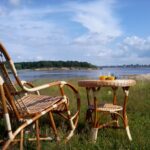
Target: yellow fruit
(106, 77)
(110, 78)
(102, 77)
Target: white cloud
(99, 19)
(134, 49)
(26, 33)
(137, 42)
(39, 58)
(14, 2)
(92, 39)
(131, 50)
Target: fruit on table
(110, 78)
(107, 78)
(103, 77)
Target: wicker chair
(22, 102)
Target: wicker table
(116, 111)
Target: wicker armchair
(22, 102)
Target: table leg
(126, 91)
(89, 111)
(94, 132)
(95, 128)
(114, 116)
(89, 118)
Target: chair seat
(107, 107)
(38, 103)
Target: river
(30, 75)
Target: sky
(101, 32)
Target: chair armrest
(41, 87)
(24, 83)
(29, 84)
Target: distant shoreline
(76, 68)
(138, 76)
(62, 68)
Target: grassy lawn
(138, 111)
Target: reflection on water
(65, 74)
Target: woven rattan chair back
(9, 74)
(6, 68)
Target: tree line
(127, 66)
(56, 64)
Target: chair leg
(53, 126)
(72, 125)
(72, 130)
(21, 139)
(37, 134)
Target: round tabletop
(109, 83)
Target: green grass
(138, 111)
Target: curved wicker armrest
(29, 84)
(41, 87)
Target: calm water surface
(93, 74)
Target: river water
(30, 75)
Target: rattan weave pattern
(107, 107)
(38, 103)
(113, 83)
